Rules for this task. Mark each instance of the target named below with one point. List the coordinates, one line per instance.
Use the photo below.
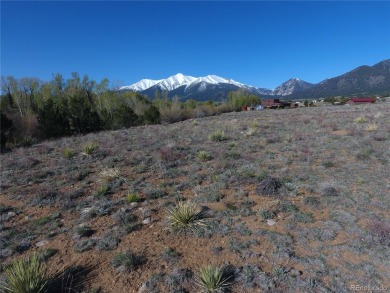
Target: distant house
(358, 101)
(274, 104)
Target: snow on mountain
(178, 80)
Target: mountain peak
(293, 85)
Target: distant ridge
(363, 80)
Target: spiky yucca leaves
(89, 149)
(371, 127)
(218, 135)
(212, 279)
(203, 155)
(68, 153)
(110, 174)
(25, 275)
(185, 216)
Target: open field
(290, 200)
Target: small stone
(134, 204)
(41, 243)
(295, 273)
(11, 215)
(143, 288)
(86, 210)
(147, 221)
(271, 222)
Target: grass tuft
(109, 174)
(132, 197)
(185, 216)
(128, 261)
(203, 155)
(212, 279)
(218, 135)
(26, 275)
(68, 153)
(89, 149)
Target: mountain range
(364, 80)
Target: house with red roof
(358, 101)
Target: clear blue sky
(257, 43)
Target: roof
(362, 100)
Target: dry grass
(315, 172)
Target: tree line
(31, 109)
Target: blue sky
(257, 43)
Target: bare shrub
(270, 186)
(379, 230)
(328, 189)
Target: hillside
(361, 81)
(291, 201)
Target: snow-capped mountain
(200, 88)
(292, 86)
(178, 80)
(362, 80)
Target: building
(274, 104)
(358, 101)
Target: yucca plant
(109, 174)
(371, 127)
(68, 153)
(203, 155)
(90, 148)
(25, 275)
(360, 120)
(218, 135)
(185, 216)
(132, 197)
(212, 279)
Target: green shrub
(102, 190)
(311, 200)
(68, 153)
(218, 135)
(132, 198)
(203, 155)
(185, 216)
(26, 275)
(127, 260)
(304, 217)
(211, 279)
(90, 148)
(287, 207)
(360, 120)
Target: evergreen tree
(83, 115)
(5, 128)
(151, 116)
(124, 117)
(53, 122)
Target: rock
(41, 243)
(295, 273)
(11, 215)
(271, 222)
(145, 212)
(134, 204)
(147, 221)
(143, 288)
(86, 210)
(121, 269)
